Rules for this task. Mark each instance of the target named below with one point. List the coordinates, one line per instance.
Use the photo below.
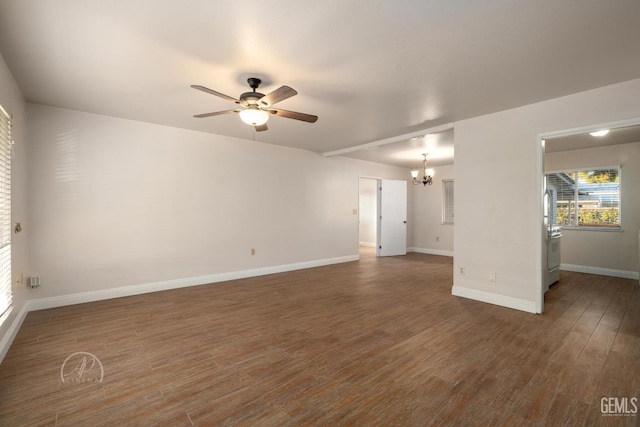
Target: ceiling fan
(255, 108)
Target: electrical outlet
(355, 211)
(253, 251)
(34, 281)
(492, 276)
(462, 271)
(437, 238)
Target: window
(585, 198)
(447, 201)
(5, 212)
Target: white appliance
(554, 236)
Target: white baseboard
(103, 294)
(368, 244)
(624, 274)
(497, 299)
(431, 251)
(11, 333)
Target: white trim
(79, 298)
(624, 274)
(540, 241)
(391, 140)
(12, 331)
(586, 168)
(497, 299)
(104, 294)
(588, 228)
(591, 128)
(430, 251)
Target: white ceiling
(370, 69)
(620, 135)
(407, 152)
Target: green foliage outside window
(599, 176)
(586, 217)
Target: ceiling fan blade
(261, 128)
(282, 93)
(216, 113)
(213, 92)
(294, 115)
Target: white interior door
(392, 217)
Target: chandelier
(427, 174)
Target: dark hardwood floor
(374, 342)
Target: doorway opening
(383, 216)
(367, 211)
(586, 193)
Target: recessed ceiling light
(602, 132)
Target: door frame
(542, 238)
(377, 207)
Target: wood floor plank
(380, 341)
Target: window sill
(587, 228)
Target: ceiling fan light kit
(427, 174)
(255, 107)
(254, 116)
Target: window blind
(587, 197)
(447, 201)
(5, 211)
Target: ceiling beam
(393, 139)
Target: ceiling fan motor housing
(251, 97)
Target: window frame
(573, 223)
(445, 204)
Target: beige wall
(498, 173)
(429, 234)
(117, 203)
(604, 249)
